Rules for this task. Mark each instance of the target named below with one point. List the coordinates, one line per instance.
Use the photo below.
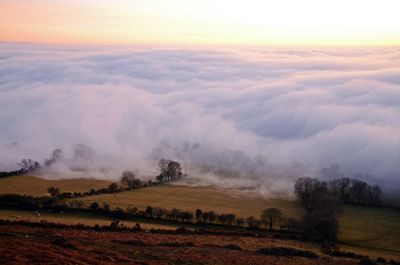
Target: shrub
(284, 251)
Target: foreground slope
(32, 245)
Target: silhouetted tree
(270, 216)
(169, 170)
(131, 210)
(129, 178)
(198, 215)
(28, 165)
(230, 218)
(341, 188)
(240, 221)
(358, 191)
(94, 206)
(54, 192)
(304, 188)
(322, 217)
(252, 222)
(113, 187)
(149, 211)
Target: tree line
(269, 218)
(345, 190)
(24, 167)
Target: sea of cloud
(257, 115)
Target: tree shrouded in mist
(169, 170)
(55, 156)
(129, 178)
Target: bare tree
(28, 165)
(304, 188)
(270, 216)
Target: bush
(366, 261)
(292, 252)
(233, 247)
(381, 260)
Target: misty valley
(196, 154)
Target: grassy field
(74, 218)
(373, 229)
(192, 198)
(31, 185)
(366, 230)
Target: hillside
(368, 230)
(73, 246)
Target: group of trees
(169, 170)
(355, 191)
(269, 217)
(55, 192)
(322, 199)
(345, 190)
(130, 180)
(24, 167)
(322, 209)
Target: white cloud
(316, 106)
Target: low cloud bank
(250, 115)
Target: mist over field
(250, 115)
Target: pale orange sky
(247, 22)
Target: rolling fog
(240, 117)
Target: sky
(205, 22)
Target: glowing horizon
(251, 22)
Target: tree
(54, 192)
(304, 188)
(94, 206)
(341, 188)
(198, 215)
(28, 165)
(230, 218)
(212, 216)
(149, 211)
(322, 217)
(169, 170)
(240, 221)
(159, 212)
(174, 214)
(252, 222)
(270, 216)
(358, 191)
(131, 210)
(129, 178)
(376, 195)
(113, 187)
